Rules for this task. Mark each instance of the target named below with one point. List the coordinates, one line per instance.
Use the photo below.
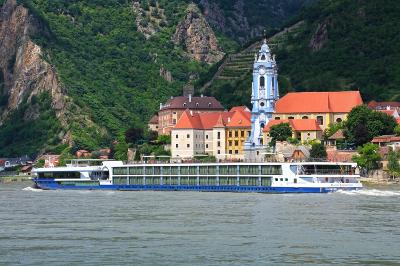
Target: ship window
(212, 180)
(136, 180)
(286, 179)
(192, 170)
(193, 181)
(276, 179)
(232, 170)
(266, 181)
(203, 181)
(271, 170)
(184, 170)
(203, 170)
(120, 171)
(166, 170)
(295, 181)
(135, 170)
(212, 170)
(184, 180)
(174, 170)
(223, 170)
(149, 170)
(281, 179)
(157, 170)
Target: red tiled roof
(337, 135)
(211, 120)
(195, 103)
(240, 108)
(305, 125)
(398, 120)
(154, 120)
(374, 104)
(318, 102)
(240, 119)
(296, 124)
(388, 112)
(274, 123)
(386, 139)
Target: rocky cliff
(24, 71)
(197, 38)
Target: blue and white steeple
(265, 92)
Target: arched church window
(263, 57)
(262, 125)
(262, 82)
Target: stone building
(171, 111)
(220, 134)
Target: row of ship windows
(221, 181)
(201, 170)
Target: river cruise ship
(302, 177)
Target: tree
(393, 164)
(332, 129)
(397, 130)
(121, 149)
(133, 135)
(164, 139)
(137, 156)
(363, 124)
(280, 132)
(318, 151)
(368, 157)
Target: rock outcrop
(196, 36)
(149, 21)
(23, 68)
(319, 38)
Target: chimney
(160, 106)
(190, 97)
(191, 112)
(202, 95)
(229, 119)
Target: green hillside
(338, 45)
(111, 71)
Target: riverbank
(379, 181)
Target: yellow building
(325, 107)
(237, 131)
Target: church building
(265, 93)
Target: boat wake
(371, 192)
(32, 189)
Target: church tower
(265, 92)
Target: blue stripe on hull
(54, 185)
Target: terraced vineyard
(231, 83)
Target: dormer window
(197, 104)
(184, 104)
(209, 104)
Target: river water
(197, 228)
